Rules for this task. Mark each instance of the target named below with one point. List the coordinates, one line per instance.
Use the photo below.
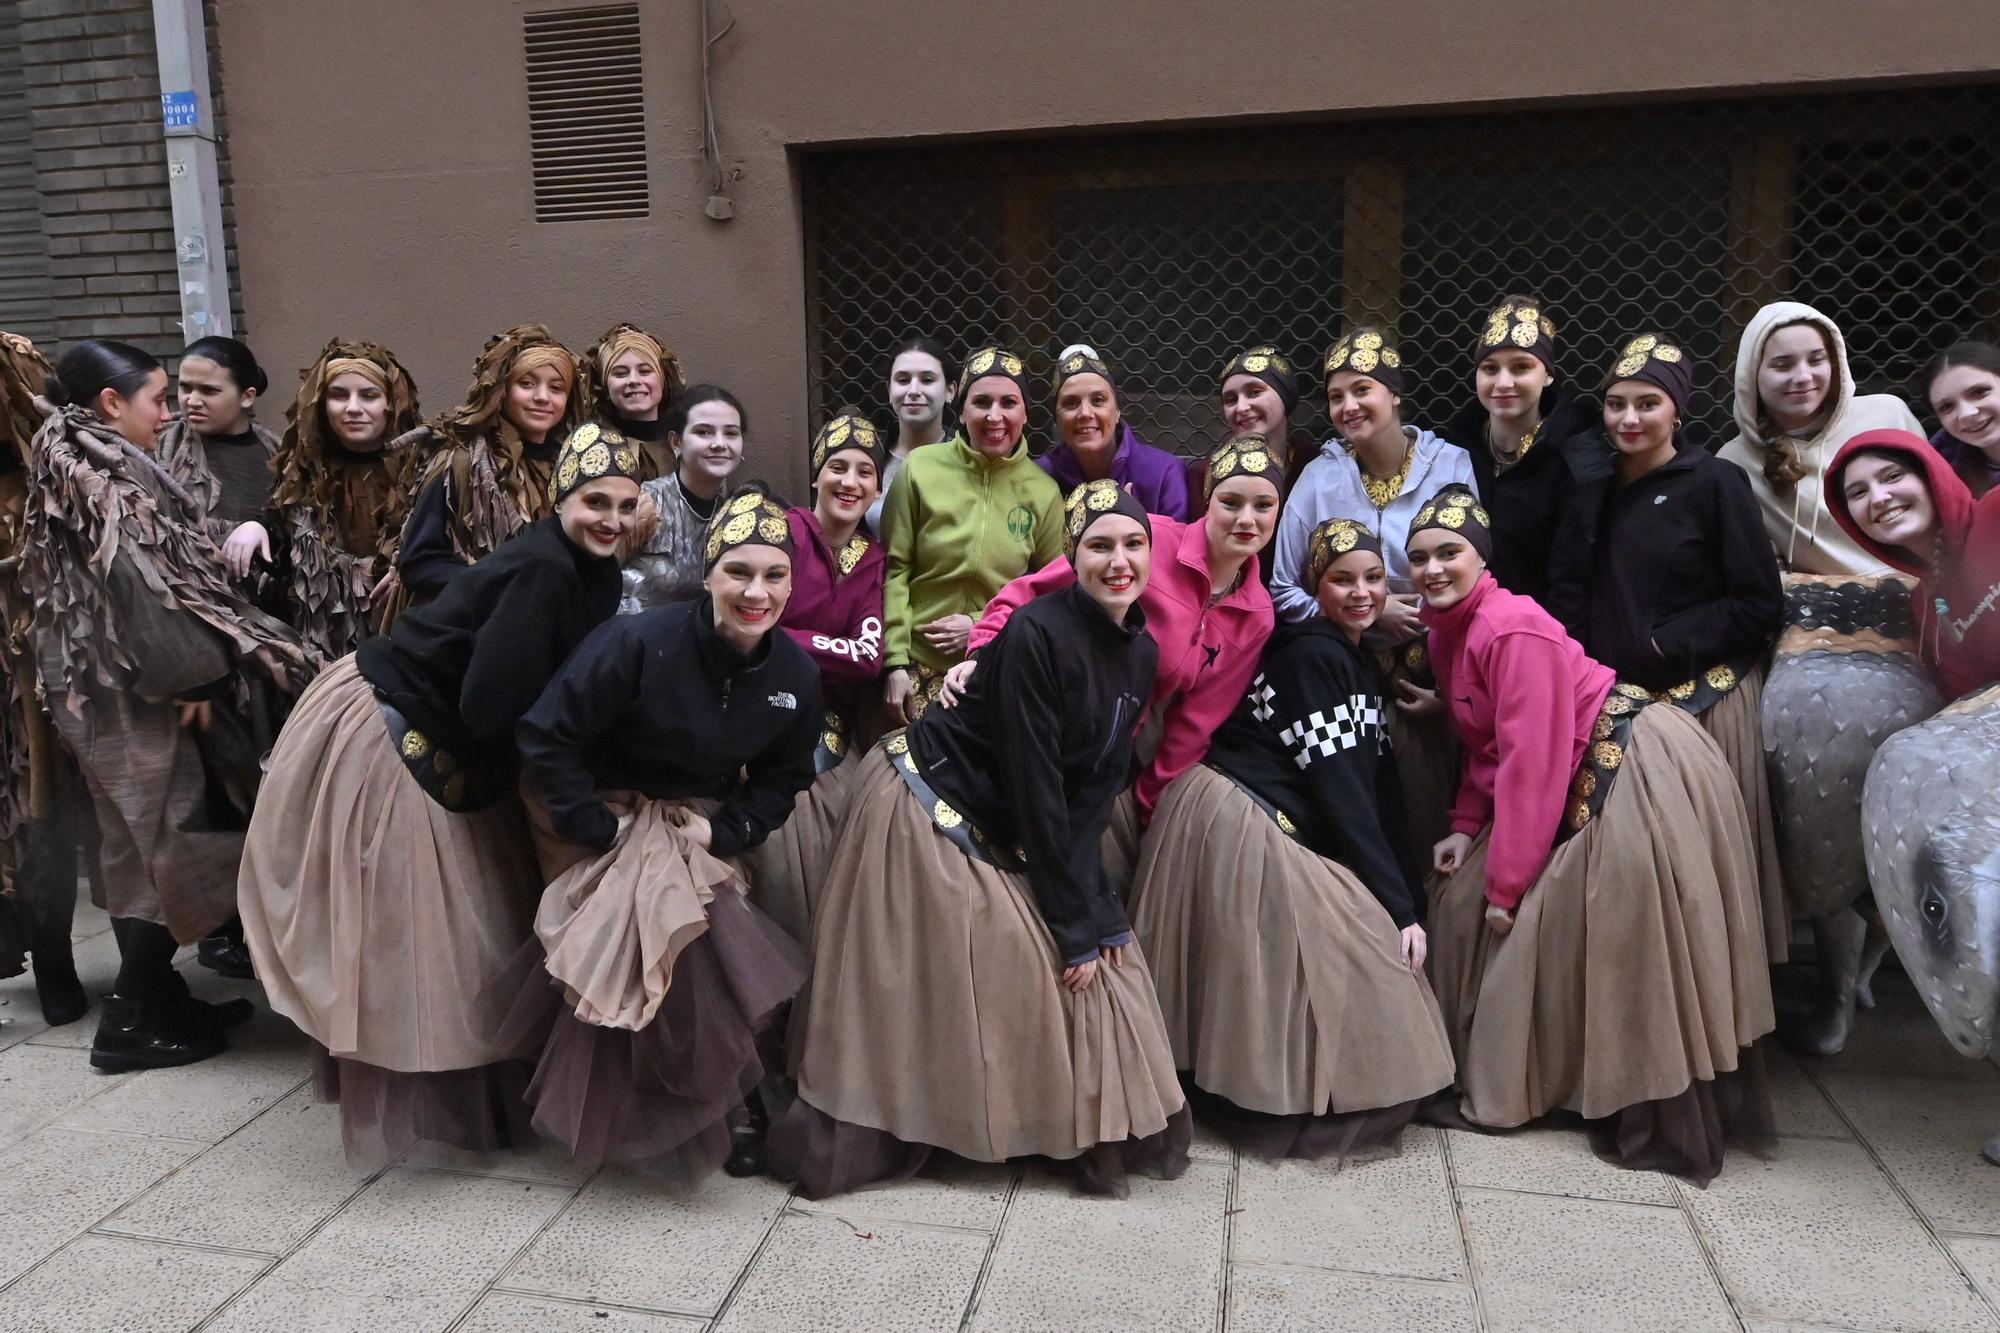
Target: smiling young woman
(707, 431)
(961, 520)
(834, 613)
(919, 388)
(631, 378)
(489, 460)
(1277, 900)
(1896, 497)
(1680, 593)
(159, 677)
(1572, 782)
(1795, 407)
(1097, 441)
(968, 872)
(669, 743)
(1205, 607)
(1963, 385)
(390, 964)
(341, 491)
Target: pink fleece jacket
(1523, 696)
(1208, 655)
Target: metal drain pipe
(201, 254)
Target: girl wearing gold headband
(1595, 937)
(44, 809)
(631, 378)
(1278, 901)
(161, 680)
(1681, 593)
(387, 880)
(341, 487)
(670, 745)
(488, 461)
(968, 871)
(835, 614)
(1534, 441)
(962, 518)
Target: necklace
(1216, 598)
(1382, 492)
(1502, 460)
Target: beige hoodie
(1806, 537)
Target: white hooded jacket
(1331, 487)
(1807, 539)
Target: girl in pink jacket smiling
(1596, 938)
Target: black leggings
(145, 957)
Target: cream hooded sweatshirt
(1806, 537)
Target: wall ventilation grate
(586, 114)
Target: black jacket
(1311, 738)
(428, 559)
(1039, 748)
(465, 667)
(1528, 500)
(662, 704)
(1679, 575)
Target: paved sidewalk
(215, 1197)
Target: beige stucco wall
(382, 175)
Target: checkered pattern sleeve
(1334, 728)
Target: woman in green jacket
(963, 518)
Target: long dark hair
(94, 365)
(233, 357)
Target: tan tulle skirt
(377, 919)
(936, 1014)
(643, 994)
(1735, 721)
(1636, 969)
(1280, 977)
(786, 872)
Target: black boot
(229, 957)
(149, 1032)
(226, 953)
(746, 1140)
(45, 886)
(205, 1015)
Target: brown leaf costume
(132, 611)
(493, 489)
(339, 510)
(24, 738)
(185, 455)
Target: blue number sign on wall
(178, 111)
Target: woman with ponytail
(159, 676)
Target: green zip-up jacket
(959, 526)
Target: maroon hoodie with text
(1956, 606)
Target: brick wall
(100, 170)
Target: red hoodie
(1957, 604)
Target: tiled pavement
(215, 1197)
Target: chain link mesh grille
(1169, 251)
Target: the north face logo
(783, 699)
